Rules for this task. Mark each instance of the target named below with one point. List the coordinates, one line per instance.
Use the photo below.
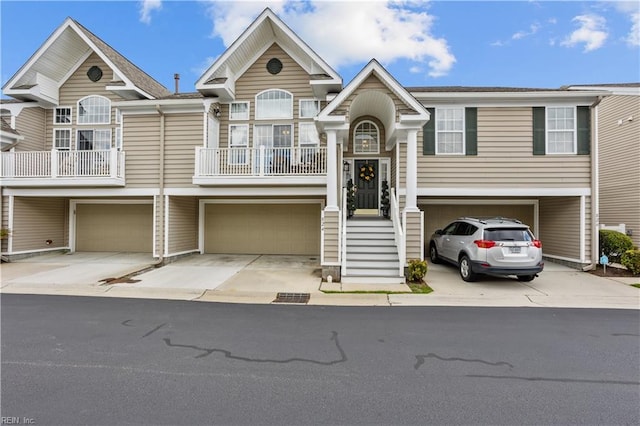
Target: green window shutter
(429, 134)
(539, 130)
(584, 130)
(471, 130)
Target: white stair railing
(397, 230)
(343, 233)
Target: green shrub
(631, 260)
(614, 244)
(417, 270)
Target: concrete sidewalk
(257, 279)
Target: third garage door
(262, 228)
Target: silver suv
(496, 245)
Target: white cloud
(346, 33)
(633, 38)
(533, 28)
(592, 32)
(146, 7)
(204, 66)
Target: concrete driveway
(237, 273)
(72, 268)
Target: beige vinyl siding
(331, 236)
(141, 143)
(505, 158)
(114, 228)
(393, 183)
(413, 232)
(38, 219)
(77, 87)
(30, 123)
(183, 132)
(183, 224)
(256, 79)
(560, 226)
(619, 162)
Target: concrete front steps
(372, 256)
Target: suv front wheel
(433, 254)
(467, 274)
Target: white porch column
(332, 171)
(411, 200)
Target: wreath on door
(367, 172)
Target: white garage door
(438, 216)
(114, 227)
(262, 228)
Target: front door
(366, 180)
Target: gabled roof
(62, 53)
(8, 137)
(219, 80)
(374, 102)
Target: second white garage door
(262, 228)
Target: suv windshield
(507, 234)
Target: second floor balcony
(261, 166)
(62, 168)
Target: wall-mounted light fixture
(216, 111)
(345, 166)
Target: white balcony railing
(397, 230)
(62, 164)
(236, 162)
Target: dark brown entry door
(367, 193)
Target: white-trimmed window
(239, 142)
(450, 131)
(94, 110)
(273, 135)
(308, 135)
(366, 138)
(62, 115)
(239, 111)
(309, 108)
(93, 140)
(274, 104)
(561, 130)
(62, 139)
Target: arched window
(274, 104)
(366, 138)
(94, 110)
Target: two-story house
(264, 157)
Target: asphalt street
(82, 360)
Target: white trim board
(248, 191)
(502, 192)
(81, 192)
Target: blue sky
(436, 43)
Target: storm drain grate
(292, 298)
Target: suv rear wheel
(467, 274)
(433, 254)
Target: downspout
(595, 190)
(161, 206)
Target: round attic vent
(274, 66)
(94, 73)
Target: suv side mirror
(438, 232)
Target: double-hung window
(94, 110)
(450, 131)
(62, 115)
(561, 130)
(239, 144)
(309, 108)
(62, 139)
(239, 111)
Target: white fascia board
(248, 191)
(260, 180)
(586, 97)
(81, 192)
(149, 106)
(128, 88)
(9, 135)
(614, 90)
(503, 192)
